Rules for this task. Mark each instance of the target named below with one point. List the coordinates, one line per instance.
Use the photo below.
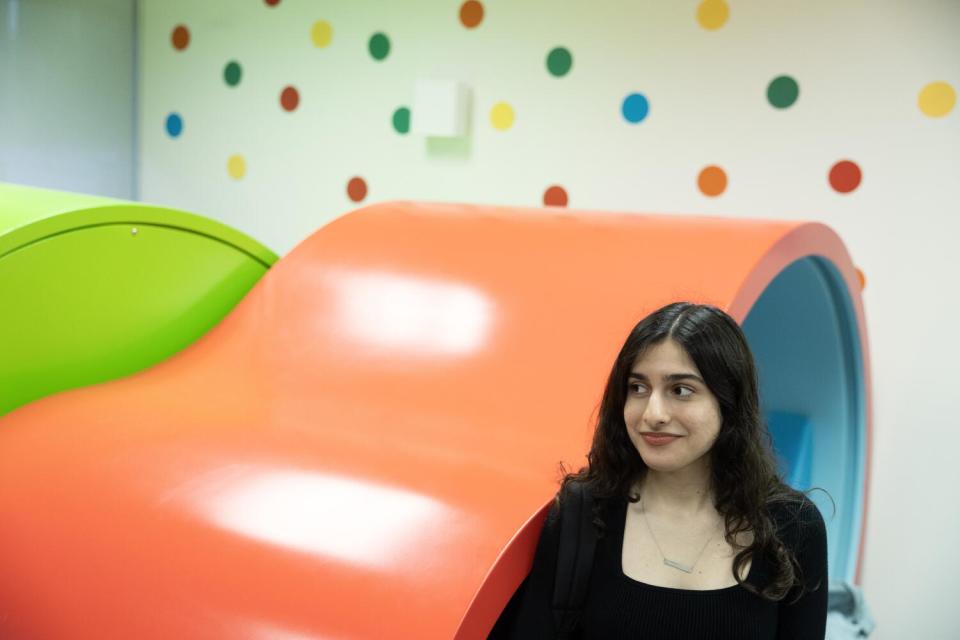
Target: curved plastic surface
(803, 332)
(364, 448)
(94, 289)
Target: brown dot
(180, 37)
(357, 189)
(471, 13)
(272, 3)
(555, 196)
(289, 98)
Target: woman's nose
(655, 413)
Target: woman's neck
(686, 491)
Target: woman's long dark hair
(744, 477)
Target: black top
(620, 607)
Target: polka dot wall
(278, 116)
(556, 119)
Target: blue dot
(635, 107)
(174, 124)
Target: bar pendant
(676, 565)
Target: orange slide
(365, 446)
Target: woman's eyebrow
(672, 377)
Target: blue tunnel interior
(804, 336)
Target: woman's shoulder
(573, 494)
(801, 528)
(578, 497)
(572, 502)
(796, 518)
(793, 506)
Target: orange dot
(357, 189)
(712, 181)
(862, 278)
(289, 98)
(471, 13)
(180, 37)
(555, 196)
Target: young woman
(698, 536)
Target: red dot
(180, 37)
(272, 3)
(845, 176)
(555, 196)
(357, 189)
(289, 98)
(471, 14)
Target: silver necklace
(686, 568)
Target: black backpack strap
(578, 539)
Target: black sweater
(619, 607)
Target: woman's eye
(637, 387)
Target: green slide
(93, 289)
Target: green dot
(379, 46)
(232, 73)
(559, 61)
(783, 92)
(401, 120)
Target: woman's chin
(661, 467)
(657, 462)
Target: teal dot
(174, 125)
(635, 108)
(559, 61)
(401, 120)
(783, 91)
(379, 46)
(232, 73)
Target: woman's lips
(658, 439)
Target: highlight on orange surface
(712, 181)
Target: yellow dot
(937, 99)
(236, 166)
(713, 14)
(501, 116)
(321, 33)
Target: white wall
(67, 95)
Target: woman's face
(672, 417)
